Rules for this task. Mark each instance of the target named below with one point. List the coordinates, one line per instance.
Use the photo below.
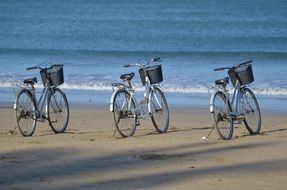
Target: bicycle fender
(211, 110)
(18, 92)
(244, 87)
(16, 99)
(148, 105)
(149, 97)
(112, 101)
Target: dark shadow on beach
(52, 165)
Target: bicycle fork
(237, 104)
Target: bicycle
(125, 108)
(52, 105)
(243, 106)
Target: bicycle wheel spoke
(125, 120)
(159, 110)
(24, 113)
(58, 111)
(222, 122)
(252, 116)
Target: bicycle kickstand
(206, 137)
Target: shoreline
(88, 98)
(98, 105)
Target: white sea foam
(277, 91)
(268, 91)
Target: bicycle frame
(146, 96)
(235, 102)
(236, 105)
(41, 102)
(242, 107)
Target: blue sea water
(94, 39)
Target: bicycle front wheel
(58, 110)
(251, 112)
(25, 113)
(124, 113)
(159, 110)
(222, 120)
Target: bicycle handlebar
(235, 66)
(130, 65)
(244, 63)
(156, 59)
(220, 68)
(31, 68)
(38, 67)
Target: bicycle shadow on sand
(68, 168)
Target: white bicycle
(243, 106)
(125, 108)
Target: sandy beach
(99, 41)
(88, 156)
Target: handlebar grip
(246, 62)
(31, 68)
(218, 69)
(157, 59)
(127, 65)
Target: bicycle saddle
(31, 81)
(128, 76)
(222, 81)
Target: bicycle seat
(31, 81)
(128, 76)
(222, 81)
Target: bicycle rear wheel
(58, 110)
(251, 112)
(222, 121)
(124, 113)
(25, 113)
(159, 110)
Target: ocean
(95, 38)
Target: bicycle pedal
(138, 123)
(240, 117)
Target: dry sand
(88, 156)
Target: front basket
(243, 74)
(154, 73)
(55, 75)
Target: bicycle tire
(25, 112)
(124, 117)
(58, 110)
(252, 115)
(159, 110)
(222, 122)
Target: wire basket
(243, 74)
(154, 73)
(54, 74)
